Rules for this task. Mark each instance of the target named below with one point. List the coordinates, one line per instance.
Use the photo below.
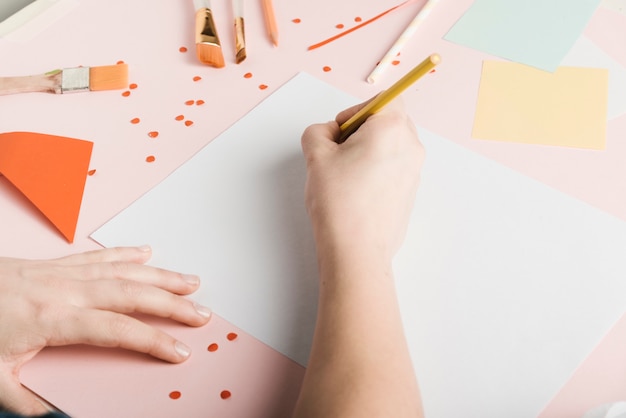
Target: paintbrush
(208, 48)
(240, 34)
(68, 80)
(351, 125)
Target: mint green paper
(538, 33)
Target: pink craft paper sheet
(608, 30)
(228, 375)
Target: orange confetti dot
(183, 49)
(327, 69)
(135, 121)
(150, 158)
(231, 336)
(296, 20)
(91, 172)
(126, 93)
(395, 62)
(197, 78)
(175, 394)
(433, 71)
(262, 86)
(339, 26)
(199, 102)
(247, 75)
(180, 117)
(188, 122)
(153, 134)
(225, 394)
(189, 102)
(120, 62)
(357, 19)
(132, 86)
(212, 347)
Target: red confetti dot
(297, 20)
(199, 102)
(262, 86)
(153, 134)
(180, 117)
(197, 78)
(91, 172)
(395, 62)
(188, 122)
(225, 394)
(175, 394)
(126, 93)
(150, 158)
(339, 26)
(189, 102)
(357, 19)
(247, 75)
(327, 69)
(183, 49)
(212, 347)
(433, 71)
(135, 121)
(231, 336)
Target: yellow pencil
(352, 124)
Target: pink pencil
(270, 21)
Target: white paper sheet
(505, 284)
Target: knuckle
(119, 327)
(118, 269)
(131, 289)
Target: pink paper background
(148, 35)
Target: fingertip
(183, 351)
(145, 248)
(204, 312)
(191, 280)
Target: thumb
(17, 398)
(319, 136)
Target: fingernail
(191, 279)
(202, 310)
(145, 248)
(182, 349)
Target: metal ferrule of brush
(75, 80)
(205, 28)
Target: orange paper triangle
(50, 171)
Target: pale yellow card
(518, 103)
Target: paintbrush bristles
(208, 49)
(108, 77)
(210, 54)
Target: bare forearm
(359, 364)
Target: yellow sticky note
(518, 103)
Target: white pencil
(401, 41)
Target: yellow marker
(352, 124)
